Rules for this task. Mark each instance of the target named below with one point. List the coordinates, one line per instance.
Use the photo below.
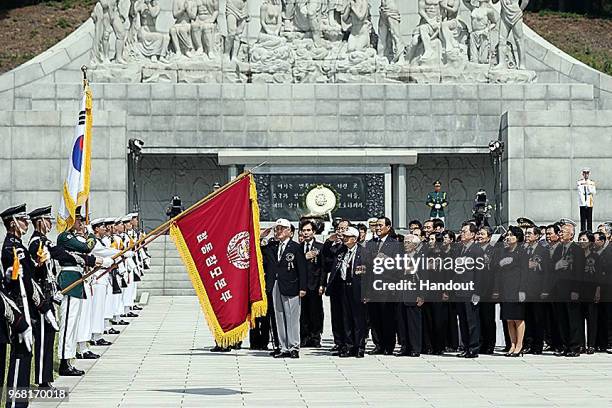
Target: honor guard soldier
(437, 201)
(586, 192)
(70, 308)
(44, 253)
(19, 270)
(99, 285)
(114, 288)
(132, 269)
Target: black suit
(488, 327)
(382, 315)
(329, 252)
(311, 318)
(349, 289)
(538, 283)
(604, 315)
(409, 315)
(469, 313)
(568, 280)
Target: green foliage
(63, 23)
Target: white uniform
(100, 285)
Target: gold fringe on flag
(260, 307)
(223, 339)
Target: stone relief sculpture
(308, 41)
(107, 19)
(204, 28)
(151, 44)
(390, 43)
(184, 12)
(511, 25)
(484, 21)
(271, 56)
(237, 15)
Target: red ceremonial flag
(219, 244)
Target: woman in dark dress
(511, 265)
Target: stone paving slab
(162, 360)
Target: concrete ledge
(317, 156)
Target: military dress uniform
(437, 201)
(44, 253)
(99, 286)
(20, 289)
(72, 302)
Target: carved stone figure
(304, 16)
(450, 27)
(271, 57)
(356, 17)
(427, 33)
(107, 18)
(390, 44)
(184, 12)
(511, 24)
(237, 15)
(484, 22)
(333, 12)
(204, 27)
(151, 43)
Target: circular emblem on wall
(320, 199)
(238, 250)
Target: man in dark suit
(468, 301)
(382, 314)
(311, 318)
(286, 272)
(345, 281)
(409, 316)
(329, 252)
(488, 328)
(568, 263)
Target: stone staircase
(167, 275)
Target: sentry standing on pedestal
(586, 191)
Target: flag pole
(157, 232)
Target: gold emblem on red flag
(238, 250)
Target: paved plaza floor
(162, 360)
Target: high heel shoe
(519, 354)
(509, 354)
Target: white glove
(437, 206)
(506, 261)
(80, 261)
(128, 254)
(50, 318)
(574, 296)
(107, 262)
(561, 264)
(58, 297)
(26, 338)
(475, 299)
(522, 296)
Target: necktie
(307, 247)
(281, 248)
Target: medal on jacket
(289, 258)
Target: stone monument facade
(311, 41)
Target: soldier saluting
(437, 201)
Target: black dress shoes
(275, 352)
(471, 355)
(102, 342)
(131, 314)
(335, 348)
(219, 349)
(122, 323)
(572, 354)
(402, 353)
(462, 354)
(111, 331)
(89, 355)
(413, 354)
(285, 354)
(375, 351)
(295, 354)
(590, 350)
(136, 307)
(360, 354)
(66, 369)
